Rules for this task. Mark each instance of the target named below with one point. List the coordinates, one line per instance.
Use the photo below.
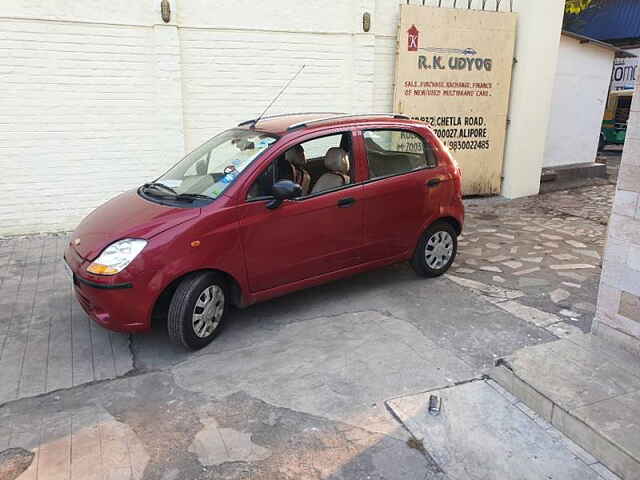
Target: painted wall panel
(579, 99)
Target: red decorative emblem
(413, 38)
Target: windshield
(211, 168)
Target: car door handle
(434, 182)
(346, 202)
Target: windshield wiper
(173, 195)
(193, 196)
(160, 186)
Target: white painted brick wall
(230, 76)
(76, 109)
(384, 73)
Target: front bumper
(117, 305)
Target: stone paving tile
(540, 245)
(593, 203)
(46, 341)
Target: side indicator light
(195, 243)
(99, 269)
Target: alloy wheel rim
(208, 311)
(438, 250)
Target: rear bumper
(118, 305)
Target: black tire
(180, 324)
(419, 261)
(601, 143)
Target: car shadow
(260, 322)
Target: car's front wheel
(436, 250)
(197, 310)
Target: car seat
(295, 157)
(336, 161)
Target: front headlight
(117, 256)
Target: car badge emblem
(76, 242)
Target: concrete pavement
(485, 433)
(292, 388)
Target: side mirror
(283, 190)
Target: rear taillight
(458, 180)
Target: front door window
(318, 165)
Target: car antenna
(253, 124)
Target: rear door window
(394, 152)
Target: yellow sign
(453, 70)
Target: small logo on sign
(413, 39)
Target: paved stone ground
(294, 387)
(545, 252)
(46, 340)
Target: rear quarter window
(393, 152)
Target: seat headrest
(295, 155)
(336, 160)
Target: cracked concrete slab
(149, 427)
(341, 368)
(481, 434)
(296, 445)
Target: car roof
(282, 124)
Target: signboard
(624, 73)
(453, 70)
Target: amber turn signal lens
(98, 269)
(195, 243)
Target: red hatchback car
(269, 207)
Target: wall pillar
(363, 54)
(537, 44)
(618, 310)
(168, 105)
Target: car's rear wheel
(436, 250)
(197, 310)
